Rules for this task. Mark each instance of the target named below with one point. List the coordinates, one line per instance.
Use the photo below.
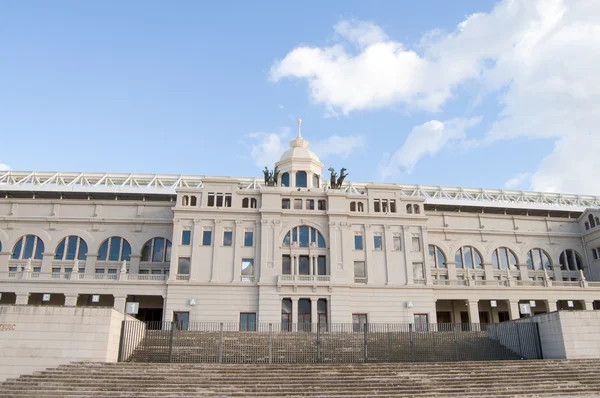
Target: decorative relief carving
(239, 222)
(332, 223)
(367, 226)
(264, 222)
(217, 222)
(276, 222)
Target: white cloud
(517, 181)
(336, 145)
(267, 148)
(540, 57)
(4, 167)
(426, 139)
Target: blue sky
(471, 93)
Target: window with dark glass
(358, 242)
(181, 320)
(360, 270)
(286, 265)
(360, 206)
(304, 236)
(397, 240)
(285, 180)
(322, 204)
(468, 257)
(322, 312)
(304, 315)
(316, 181)
(504, 258)
(193, 201)
(157, 250)
(417, 209)
(377, 242)
(245, 203)
(206, 237)
(310, 204)
(352, 206)
(376, 206)
(285, 203)
(29, 246)
(303, 265)
(286, 314)
(301, 180)
(437, 258)
(186, 237)
(248, 322)
(253, 203)
(227, 238)
(183, 266)
(248, 238)
(409, 209)
(421, 322)
(392, 205)
(359, 322)
(211, 199)
(570, 260)
(322, 265)
(115, 249)
(71, 248)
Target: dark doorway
(503, 316)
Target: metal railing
(215, 342)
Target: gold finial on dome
(299, 124)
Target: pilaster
(513, 309)
(552, 306)
(90, 264)
(388, 243)
(368, 248)
(134, 264)
(588, 305)
(195, 265)
(524, 271)
(71, 300)
(22, 299)
(406, 239)
(237, 250)
(425, 250)
(119, 304)
(473, 306)
(294, 313)
(217, 240)
(47, 262)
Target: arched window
(253, 203)
(246, 203)
(437, 257)
(316, 180)
(352, 206)
(570, 260)
(304, 236)
(29, 246)
(157, 250)
(0, 246)
(70, 248)
(537, 259)
(185, 200)
(597, 221)
(193, 201)
(285, 180)
(592, 221)
(301, 181)
(115, 249)
(409, 209)
(417, 209)
(504, 258)
(361, 207)
(587, 225)
(468, 257)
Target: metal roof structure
(168, 184)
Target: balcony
(69, 277)
(303, 280)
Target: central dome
(299, 150)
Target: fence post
(318, 343)
(412, 342)
(519, 339)
(539, 340)
(171, 340)
(221, 342)
(366, 341)
(270, 343)
(455, 341)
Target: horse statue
(332, 180)
(271, 176)
(341, 178)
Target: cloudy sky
(471, 93)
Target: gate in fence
(312, 343)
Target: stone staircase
(449, 379)
(298, 347)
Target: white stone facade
(233, 231)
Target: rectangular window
(303, 265)
(285, 203)
(211, 199)
(186, 237)
(392, 205)
(397, 239)
(227, 200)
(12, 269)
(322, 265)
(322, 204)
(99, 270)
(286, 265)
(384, 206)
(310, 204)
(182, 320)
(418, 274)
(359, 269)
(595, 254)
(56, 270)
(39, 269)
(358, 242)
(297, 204)
(416, 244)
(248, 322)
(376, 206)
(206, 237)
(359, 322)
(377, 242)
(247, 270)
(183, 266)
(248, 238)
(219, 200)
(227, 238)
(421, 322)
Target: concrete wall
(569, 334)
(33, 338)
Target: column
(295, 264)
(46, 262)
(588, 305)
(294, 313)
(333, 248)
(426, 260)
(473, 311)
(488, 271)
(22, 298)
(4, 257)
(523, 271)
(451, 270)
(195, 271)
(551, 305)
(216, 247)
(388, 246)
(513, 309)
(134, 264)
(368, 248)
(174, 260)
(120, 303)
(557, 272)
(238, 244)
(71, 300)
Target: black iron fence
(311, 343)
